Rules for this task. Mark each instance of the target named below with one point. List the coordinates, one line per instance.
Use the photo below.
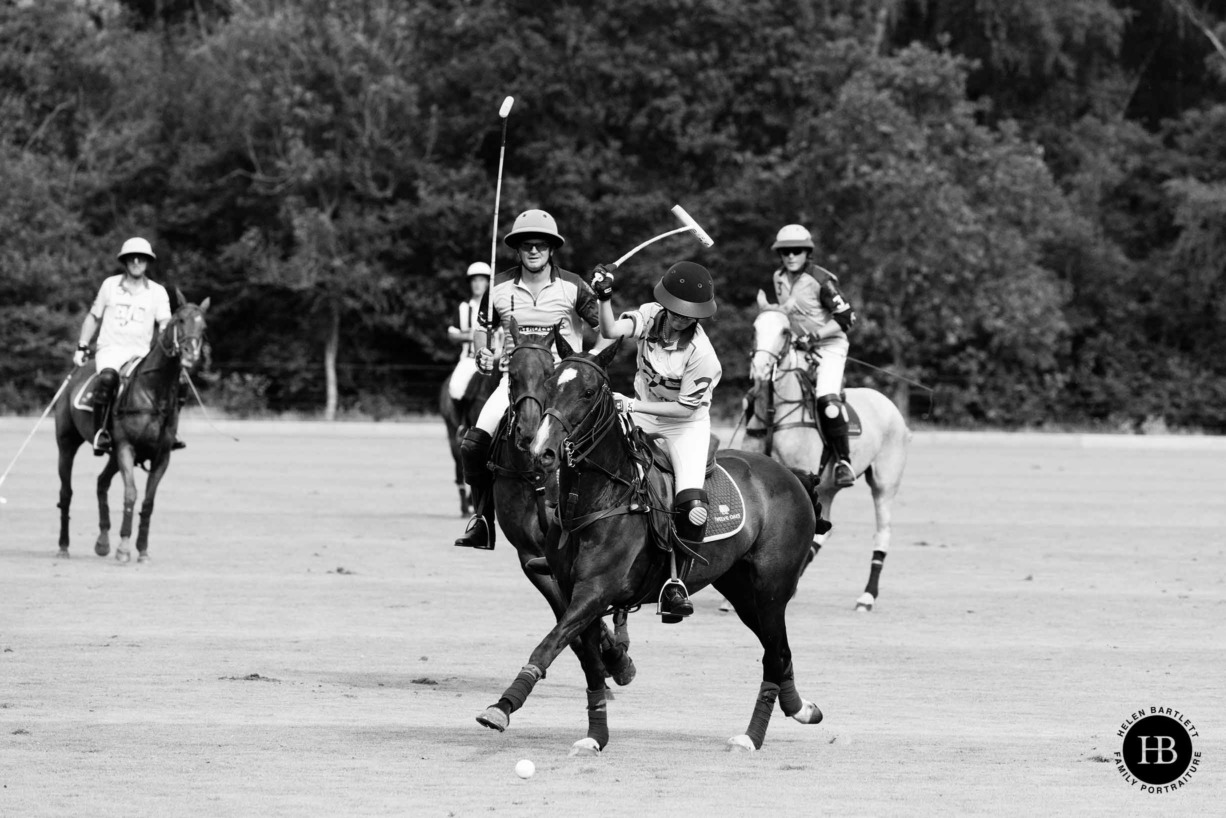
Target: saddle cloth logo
(727, 514)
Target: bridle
(516, 401)
(190, 342)
(579, 442)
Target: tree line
(1024, 201)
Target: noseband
(598, 419)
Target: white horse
(783, 424)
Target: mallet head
(506, 107)
(689, 222)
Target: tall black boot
(475, 454)
(104, 393)
(833, 417)
(690, 518)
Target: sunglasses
(792, 252)
(534, 246)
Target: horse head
(183, 336)
(578, 405)
(772, 340)
(529, 365)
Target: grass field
(306, 641)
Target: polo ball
(525, 768)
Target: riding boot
(475, 454)
(833, 417)
(690, 520)
(104, 393)
(179, 444)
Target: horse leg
(146, 510)
(127, 467)
(68, 453)
(580, 618)
(102, 546)
(763, 613)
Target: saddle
(808, 419)
(83, 398)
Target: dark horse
(607, 559)
(145, 419)
(524, 496)
(459, 415)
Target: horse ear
(563, 346)
(204, 305)
(514, 330)
(762, 302)
(179, 295)
(606, 355)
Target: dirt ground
(307, 641)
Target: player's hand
(78, 357)
(486, 359)
(603, 281)
(623, 403)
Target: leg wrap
(767, 694)
(597, 717)
(517, 693)
(789, 700)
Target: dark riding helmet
(687, 289)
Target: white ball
(525, 768)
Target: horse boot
(833, 417)
(690, 520)
(104, 392)
(475, 454)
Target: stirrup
(681, 609)
(844, 475)
(472, 537)
(102, 442)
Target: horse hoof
(123, 556)
(625, 675)
(63, 554)
(494, 719)
(143, 558)
(865, 602)
(810, 713)
(102, 548)
(585, 747)
(741, 743)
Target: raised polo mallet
(489, 293)
(687, 222)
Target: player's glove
(603, 281)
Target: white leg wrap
(740, 743)
(585, 747)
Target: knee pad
(105, 385)
(831, 410)
(475, 452)
(691, 507)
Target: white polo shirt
(128, 319)
(680, 372)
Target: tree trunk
(330, 348)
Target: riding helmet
(687, 289)
(793, 236)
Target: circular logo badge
(1157, 753)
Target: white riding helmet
(478, 268)
(793, 235)
(534, 223)
(136, 246)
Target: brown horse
(784, 425)
(459, 416)
(607, 559)
(525, 496)
(145, 420)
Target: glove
(624, 404)
(486, 358)
(78, 357)
(603, 281)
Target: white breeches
(688, 441)
(829, 380)
(461, 376)
(495, 407)
(116, 357)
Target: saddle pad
(853, 421)
(84, 397)
(727, 515)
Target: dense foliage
(1025, 201)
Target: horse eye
(588, 394)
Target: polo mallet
(502, 152)
(30, 437)
(687, 222)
